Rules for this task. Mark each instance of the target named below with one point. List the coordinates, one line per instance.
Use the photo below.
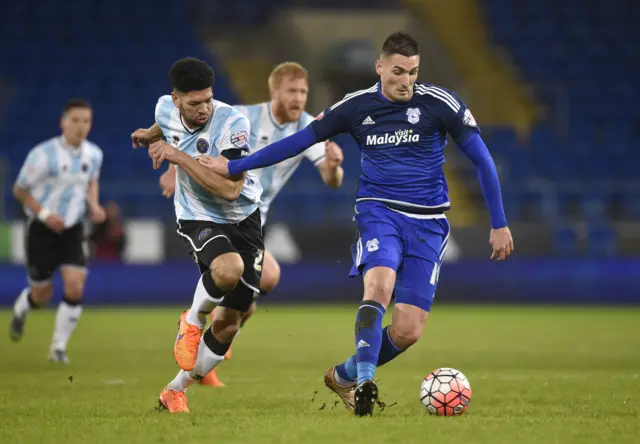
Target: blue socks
(388, 351)
(348, 371)
(368, 339)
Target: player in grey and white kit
(218, 218)
(57, 185)
(272, 121)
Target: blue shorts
(413, 248)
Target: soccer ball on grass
(445, 392)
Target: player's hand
(55, 223)
(168, 183)
(141, 137)
(160, 151)
(97, 214)
(501, 242)
(333, 154)
(206, 161)
(218, 164)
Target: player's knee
(41, 294)
(405, 335)
(226, 270)
(73, 289)
(270, 276)
(229, 331)
(226, 324)
(379, 287)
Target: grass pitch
(539, 375)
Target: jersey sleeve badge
(468, 118)
(240, 139)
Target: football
(445, 392)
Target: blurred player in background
(57, 184)
(271, 121)
(218, 218)
(401, 127)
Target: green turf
(539, 375)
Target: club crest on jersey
(240, 139)
(205, 233)
(373, 245)
(202, 146)
(413, 115)
(395, 138)
(468, 118)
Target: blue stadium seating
(566, 241)
(583, 59)
(117, 55)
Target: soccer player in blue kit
(401, 126)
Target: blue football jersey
(401, 143)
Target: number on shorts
(258, 263)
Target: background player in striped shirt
(57, 185)
(401, 126)
(218, 218)
(271, 121)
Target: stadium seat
(601, 240)
(583, 62)
(566, 241)
(93, 50)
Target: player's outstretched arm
(214, 183)
(328, 124)
(274, 153)
(330, 169)
(500, 238)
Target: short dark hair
(191, 74)
(400, 43)
(75, 103)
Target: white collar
(74, 149)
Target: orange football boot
(212, 379)
(185, 349)
(173, 401)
